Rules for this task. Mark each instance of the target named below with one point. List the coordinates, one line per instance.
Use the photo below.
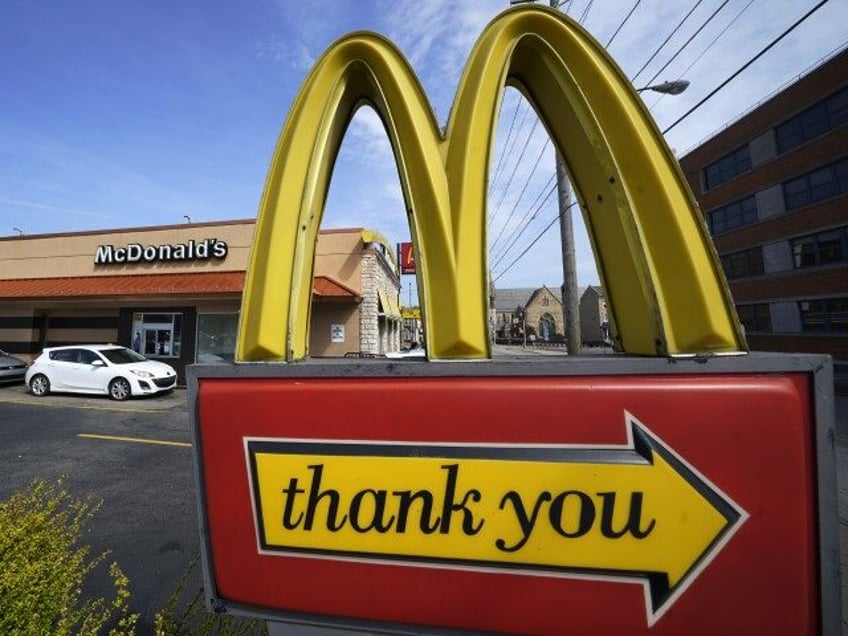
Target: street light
(674, 87)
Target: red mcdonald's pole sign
(406, 258)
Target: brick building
(772, 188)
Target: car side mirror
(98, 363)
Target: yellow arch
(663, 284)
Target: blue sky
(126, 113)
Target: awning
(153, 285)
(325, 288)
(389, 305)
(147, 285)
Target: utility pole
(570, 297)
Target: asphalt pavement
(134, 457)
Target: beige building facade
(174, 292)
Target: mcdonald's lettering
(560, 509)
(664, 287)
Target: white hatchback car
(115, 371)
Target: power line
(535, 240)
(523, 226)
(523, 190)
(506, 143)
(586, 11)
(709, 46)
(508, 151)
(515, 169)
(623, 22)
(670, 35)
(747, 64)
(688, 42)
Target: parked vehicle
(12, 369)
(115, 371)
(415, 352)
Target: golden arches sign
(665, 289)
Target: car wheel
(39, 385)
(119, 389)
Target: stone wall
(378, 332)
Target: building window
(829, 315)
(826, 115)
(823, 248)
(743, 264)
(819, 185)
(755, 318)
(727, 167)
(736, 214)
(158, 335)
(216, 337)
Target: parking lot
(18, 394)
(135, 457)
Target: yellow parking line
(137, 440)
(87, 407)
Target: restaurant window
(829, 315)
(158, 335)
(216, 337)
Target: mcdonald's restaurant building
(174, 292)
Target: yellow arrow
(633, 512)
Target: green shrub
(187, 615)
(44, 564)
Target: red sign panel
(406, 255)
(545, 505)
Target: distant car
(110, 370)
(420, 354)
(12, 369)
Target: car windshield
(122, 356)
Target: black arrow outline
(639, 448)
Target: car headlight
(141, 374)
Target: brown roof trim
(326, 288)
(153, 285)
(147, 228)
(216, 283)
(156, 228)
